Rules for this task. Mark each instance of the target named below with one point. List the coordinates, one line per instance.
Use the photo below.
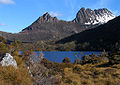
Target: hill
(106, 36)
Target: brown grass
(12, 76)
(91, 75)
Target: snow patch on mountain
(101, 19)
(92, 17)
(104, 18)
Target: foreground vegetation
(9, 75)
(92, 70)
(102, 69)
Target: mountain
(47, 18)
(50, 28)
(106, 36)
(89, 16)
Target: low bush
(15, 76)
(66, 60)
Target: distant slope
(106, 36)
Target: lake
(58, 56)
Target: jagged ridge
(88, 16)
(50, 28)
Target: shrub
(15, 53)
(66, 60)
(3, 50)
(2, 39)
(67, 46)
(77, 69)
(12, 76)
(93, 59)
(16, 44)
(26, 54)
(114, 60)
(70, 46)
(77, 61)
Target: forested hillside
(106, 36)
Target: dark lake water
(58, 56)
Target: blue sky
(15, 15)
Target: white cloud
(55, 14)
(7, 2)
(1, 24)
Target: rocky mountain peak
(47, 18)
(46, 15)
(97, 16)
(82, 9)
(82, 16)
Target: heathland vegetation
(102, 69)
(9, 75)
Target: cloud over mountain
(55, 14)
(7, 2)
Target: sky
(16, 15)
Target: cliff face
(47, 18)
(88, 16)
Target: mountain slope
(106, 36)
(50, 28)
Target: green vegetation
(105, 36)
(9, 75)
(12, 76)
(47, 46)
(3, 49)
(66, 60)
(103, 69)
(70, 46)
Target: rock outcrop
(88, 16)
(39, 73)
(47, 18)
(8, 60)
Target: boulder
(8, 60)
